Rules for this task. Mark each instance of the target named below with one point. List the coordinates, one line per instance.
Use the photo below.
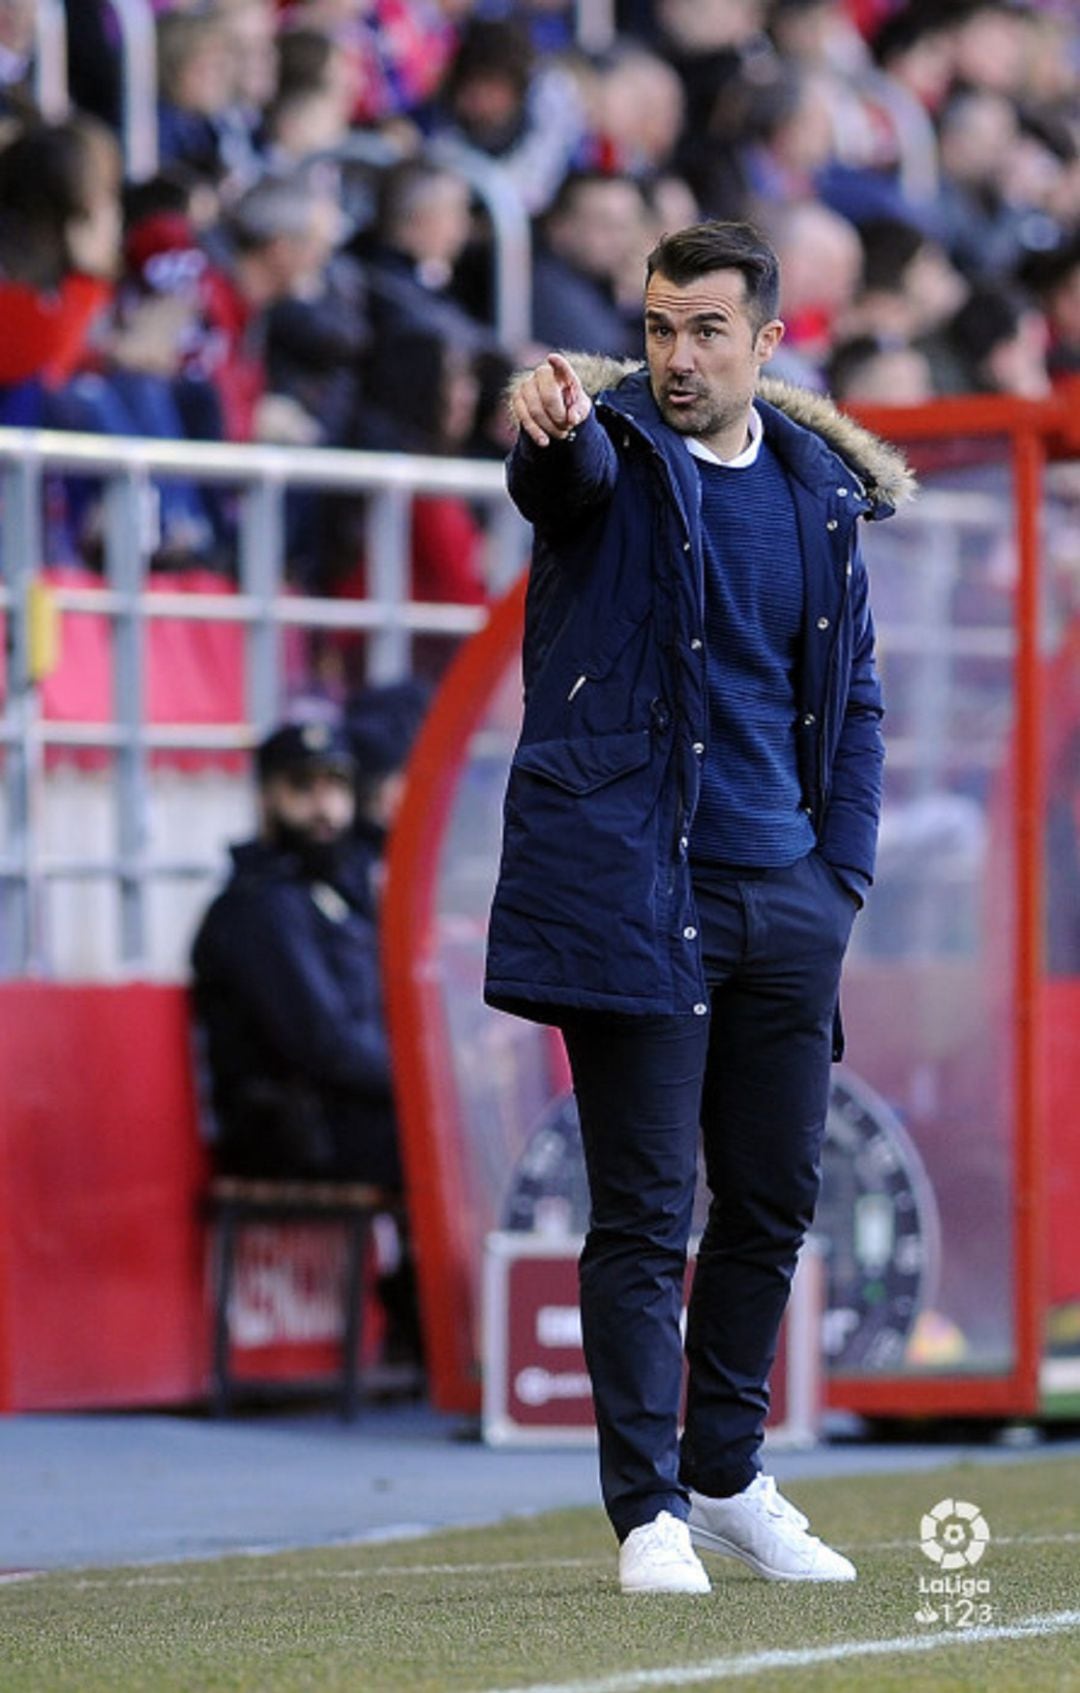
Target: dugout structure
(962, 991)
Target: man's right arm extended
(563, 462)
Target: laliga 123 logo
(953, 1535)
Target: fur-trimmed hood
(882, 469)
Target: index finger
(563, 369)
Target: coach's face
(705, 352)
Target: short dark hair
(703, 247)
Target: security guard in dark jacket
(287, 990)
(690, 828)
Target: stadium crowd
(915, 162)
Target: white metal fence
(43, 844)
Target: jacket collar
(818, 444)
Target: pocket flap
(582, 765)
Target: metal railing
(139, 81)
(50, 60)
(261, 607)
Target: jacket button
(686, 546)
(684, 842)
(696, 644)
(823, 622)
(700, 1010)
(849, 567)
(689, 933)
(832, 524)
(841, 492)
(698, 747)
(809, 718)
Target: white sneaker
(658, 1558)
(765, 1530)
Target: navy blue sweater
(750, 807)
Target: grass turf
(534, 1601)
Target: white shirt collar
(741, 461)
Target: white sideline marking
(377, 1572)
(728, 1669)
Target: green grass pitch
(533, 1603)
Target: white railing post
(127, 499)
(387, 532)
(50, 60)
(595, 29)
(21, 936)
(262, 569)
(138, 37)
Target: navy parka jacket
(594, 906)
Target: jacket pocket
(589, 762)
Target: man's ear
(769, 337)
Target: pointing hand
(551, 402)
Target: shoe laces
(668, 1533)
(775, 1504)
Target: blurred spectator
(879, 371)
(138, 389)
(916, 48)
(818, 38)
(947, 133)
(59, 252)
(990, 46)
(793, 139)
(995, 344)
(282, 233)
(820, 265)
(1055, 279)
(310, 59)
(593, 227)
(636, 110)
(195, 83)
(396, 51)
(317, 333)
(303, 122)
(979, 132)
(287, 988)
(425, 398)
(422, 227)
(909, 287)
(251, 43)
(669, 204)
(727, 65)
(500, 101)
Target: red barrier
(104, 1285)
(101, 1272)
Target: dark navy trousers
(749, 1082)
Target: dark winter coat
(288, 1002)
(594, 906)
